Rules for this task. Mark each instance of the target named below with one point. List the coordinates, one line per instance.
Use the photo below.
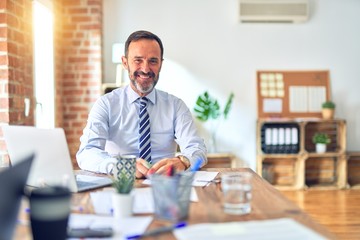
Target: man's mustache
(149, 74)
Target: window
(44, 63)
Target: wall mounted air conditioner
(276, 11)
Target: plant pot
(122, 205)
(328, 113)
(320, 147)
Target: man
(114, 119)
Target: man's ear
(124, 62)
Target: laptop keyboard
(82, 184)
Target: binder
(280, 138)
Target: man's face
(143, 65)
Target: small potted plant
(328, 110)
(321, 140)
(122, 200)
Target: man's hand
(142, 168)
(164, 164)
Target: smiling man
(141, 120)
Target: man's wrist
(185, 161)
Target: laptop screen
(52, 164)
(12, 183)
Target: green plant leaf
(228, 105)
(123, 184)
(206, 107)
(328, 104)
(321, 138)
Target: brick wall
(77, 43)
(16, 65)
(81, 65)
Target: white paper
(298, 99)
(317, 95)
(272, 105)
(143, 200)
(276, 229)
(201, 178)
(102, 201)
(121, 227)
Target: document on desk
(275, 229)
(143, 200)
(201, 178)
(121, 227)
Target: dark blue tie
(144, 131)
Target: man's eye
(137, 61)
(153, 61)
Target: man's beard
(141, 88)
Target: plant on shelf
(321, 140)
(328, 110)
(207, 108)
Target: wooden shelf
(306, 168)
(220, 160)
(353, 169)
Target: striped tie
(144, 131)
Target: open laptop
(12, 183)
(52, 164)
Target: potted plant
(328, 110)
(122, 200)
(208, 108)
(321, 140)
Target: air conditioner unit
(276, 11)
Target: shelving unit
(353, 169)
(220, 160)
(303, 168)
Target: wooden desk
(267, 203)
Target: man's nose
(145, 67)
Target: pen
(196, 165)
(170, 171)
(158, 231)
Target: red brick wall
(81, 65)
(16, 65)
(77, 43)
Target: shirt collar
(133, 96)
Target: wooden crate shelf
(306, 168)
(353, 169)
(220, 160)
(279, 171)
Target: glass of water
(236, 187)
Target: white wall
(207, 48)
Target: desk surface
(267, 203)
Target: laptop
(52, 164)
(12, 183)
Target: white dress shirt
(113, 128)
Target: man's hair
(138, 35)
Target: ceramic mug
(126, 164)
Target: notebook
(52, 164)
(12, 183)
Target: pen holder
(172, 195)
